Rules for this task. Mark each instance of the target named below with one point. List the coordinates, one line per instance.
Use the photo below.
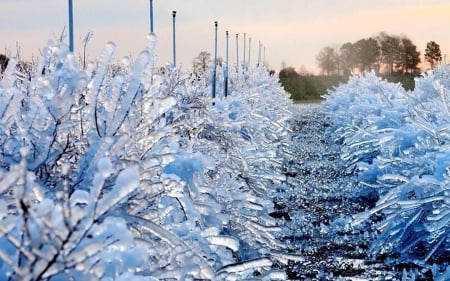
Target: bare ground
(316, 206)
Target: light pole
(174, 14)
(71, 26)
(225, 77)
(213, 88)
(151, 16)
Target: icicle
(393, 178)
(103, 171)
(96, 151)
(442, 93)
(127, 181)
(226, 241)
(8, 180)
(245, 265)
(173, 241)
(130, 94)
(96, 82)
(286, 257)
(94, 86)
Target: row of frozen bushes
(119, 172)
(398, 142)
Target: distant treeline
(393, 57)
(386, 54)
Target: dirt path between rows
(316, 205)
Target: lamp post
(225, 77)
(174, 14)
(151, 16)
(213, 88)
(71, 26)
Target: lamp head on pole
(174, 14)
(215, 23)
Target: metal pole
(213, 88)
(249, 51)
(226, 70)
(151, 16)
(245, 50)
(174, 14)
(264, 56)
(259, 53)
(237, 53)
(71, 26)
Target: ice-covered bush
(117, 170)
(231, 164)
(70, 236)
(397, 141)
(85, 140)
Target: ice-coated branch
(245, 265)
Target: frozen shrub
(72, 236)
(397, 141)
(115, 170)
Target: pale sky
(293, 31)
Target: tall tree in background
(433, 53)
(347, 58)
(201, 63)
(390, 46)
(288, 72)
(367, 53)
(328, 60)
(409, 56)
(384, 52)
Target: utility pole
(237, 53)
(259, 53)
(213, 88)
(264, 56)
(225, 77)
(249, 51)
(71, 26)
(174, 14)
(245, 50)
(151, 16)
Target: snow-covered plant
(70, 236)
(232, 158)
(67, 120)
(361, 110)
(114, 170)
(397, 142)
